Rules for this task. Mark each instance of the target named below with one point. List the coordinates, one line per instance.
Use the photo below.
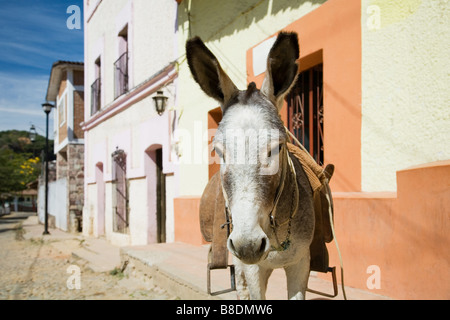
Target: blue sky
(34, 36)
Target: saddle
(318, 180)
(215, 228)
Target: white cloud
(34, 35)
(21, 111)
(21, 96)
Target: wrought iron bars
(120, 191)
(95, 96)
(305, 111)
(121, 75)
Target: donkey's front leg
(297, 276)
(256, 278)
(241, 283)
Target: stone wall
(75, 176)
(61, 165)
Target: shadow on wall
(235, 15)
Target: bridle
(286, 166)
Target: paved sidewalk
(181, 269)
(178, 268)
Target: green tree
(9, 173)
(19, 159)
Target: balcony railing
(95, 96)
(121, 75)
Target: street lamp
(33, 133)
(47, 107)
(160, 102)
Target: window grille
(305, 111)
(120, 192)
(121, 75)
(95, 96)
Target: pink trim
(138, 94)
(91, 9)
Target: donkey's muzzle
(248, 249)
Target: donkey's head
(250, 140)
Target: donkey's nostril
(233, 249)
(249, 251)
(262, 248)
(231, 246)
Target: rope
(337, 246)
(329, 214)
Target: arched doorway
(156, 194)
(99, 180)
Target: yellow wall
(405, 104)
(405, 92)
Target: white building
(130, 176)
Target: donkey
(268, 198)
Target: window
(121, 65)
(96, 88)
(305, 111)
(62, 110)
(120, 191)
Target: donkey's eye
(275, 150)
(219, 152)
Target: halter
(272, 214)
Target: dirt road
(41, 269)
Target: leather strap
(219, 251)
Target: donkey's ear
(282, 67)
(208, 73)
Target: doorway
(100, 199)
(160, 198)
(156, 195)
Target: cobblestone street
(40, 269)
